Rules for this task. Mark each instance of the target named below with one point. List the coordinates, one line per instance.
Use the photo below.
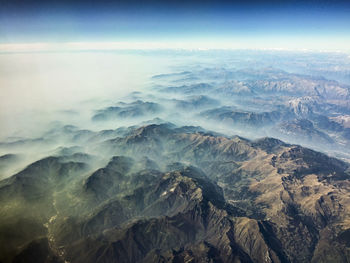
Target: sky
(203, 24)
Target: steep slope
(29, 199)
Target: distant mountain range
(231, 162)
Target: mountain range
(171, 194)
(222, 159)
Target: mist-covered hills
(272, 102)
(174, 194)
(238, 159)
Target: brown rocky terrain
(171, 194)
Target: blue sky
(318, 24)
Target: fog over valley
(168, 155)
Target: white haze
(42, 92)
(45, 91)
(40, 87)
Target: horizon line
(38, 47)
